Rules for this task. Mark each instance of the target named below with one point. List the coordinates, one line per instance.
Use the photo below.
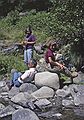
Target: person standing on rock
(28, 43)
(55, 66)
(18, 78)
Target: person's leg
(12, 76)
(15, 79)
(54, 70)
(67, 72)
(25, 56)
(29, 55)
(57, 70)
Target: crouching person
(18, 78)
(55, 66)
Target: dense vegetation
(63, 21)
(23, 5)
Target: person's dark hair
(28, 29)
(34, 62)
(51, 43)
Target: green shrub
(64, 22)
(9, 62)
(2, 36)
(12, 17)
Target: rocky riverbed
(42, 99)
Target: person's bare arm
(55, 63)
(31, 43)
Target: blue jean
(28, 54)
(15, 77)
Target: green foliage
(74, 58)
(77, 60)
(2, 35)
(16, 32)
(9, 62)
(64, 22)
(63, 77)
(12, 17)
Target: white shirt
(27, 74)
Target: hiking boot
(74, 74)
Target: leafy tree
(7, 5)
(66, 24)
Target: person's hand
(25, 42)
(61, 66)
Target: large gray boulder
(22, 98)
(79, 78)
(6, 111)
(43, 92)
(79, 96)
(24, 114)
(2, 84)
(62, 93)
(14, 91)
(43, 103)
(47, 79)
(28, 87)
(19, 98)
(67, 103)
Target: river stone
(1, 106)
(43, 92)
(79, 78)
(28, 87)
(65, 87)
(47, 79)
(67, 103)
(2, 84)
(62, 93)
(50, 115)
(58, 102)
(31, 105)
(79, 111)
(18, 98)
(29, 97)
(14, 91)
(7, 111)
(24, 114)
(43, 103)
(23, 99)
(79, 98)
(5, 88)
(4, 94)
(77, 92)
(38, 49)
(40, 67)
(80, 88)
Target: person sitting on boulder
(55, 66)
(18, 78)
